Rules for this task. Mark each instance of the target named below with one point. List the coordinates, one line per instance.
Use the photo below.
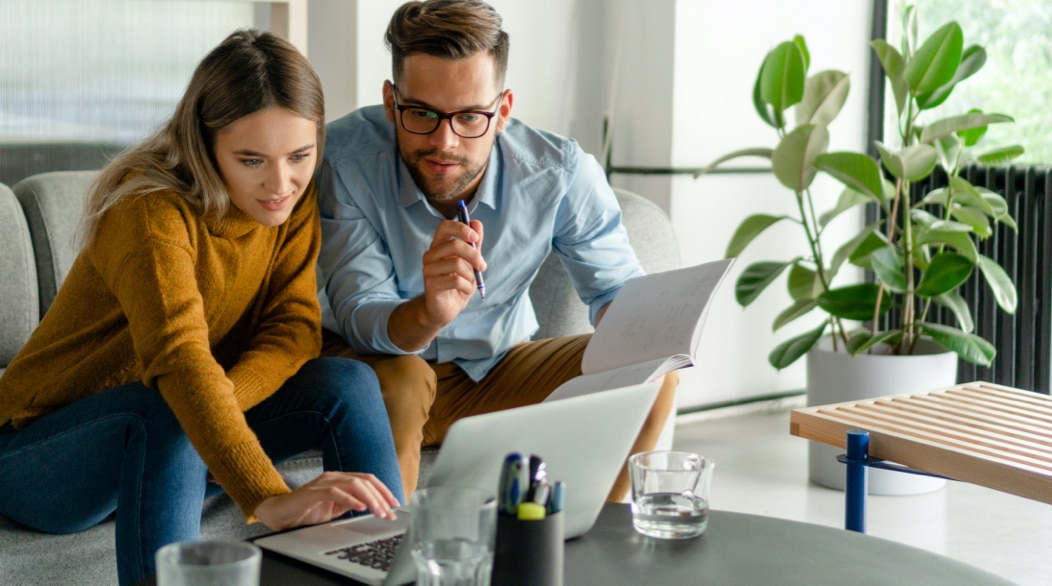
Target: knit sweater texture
(213, 313)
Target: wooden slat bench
(991, 435)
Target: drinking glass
(208, 563)
(452, 531)
(670, 493)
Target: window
(82, 79)
(1017, 77)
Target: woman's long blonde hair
(248, 72)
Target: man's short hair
(451, 29)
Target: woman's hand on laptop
(326, 497)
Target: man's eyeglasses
(466, 123)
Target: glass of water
(208, 563)
(452, 531)
(670, 493)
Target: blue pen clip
(513, 484)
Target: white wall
(676, 78)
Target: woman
(182, 345)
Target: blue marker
(462, 213)
(558, 498)
(513, 484)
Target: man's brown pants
(423, 399)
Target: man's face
(445, 166)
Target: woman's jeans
(123, 450)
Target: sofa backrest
(560, 311)
(53, 204)
(19, 301)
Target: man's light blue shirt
(540, 193)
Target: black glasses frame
(446, 116)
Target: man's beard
(439, 190)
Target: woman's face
(266, 160)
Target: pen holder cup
(529, 552)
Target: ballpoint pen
(462, 213)
(538, 473)
(513, 484)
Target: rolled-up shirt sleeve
(356, 270)
(590, 240)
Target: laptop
(583, 440)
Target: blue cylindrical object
(855, 485)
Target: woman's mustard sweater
(213, 313)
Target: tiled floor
(761, 469)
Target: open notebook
(651, 328)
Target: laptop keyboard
(377, 554)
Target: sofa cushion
(19, 309)
(53, 204)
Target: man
(399, 269)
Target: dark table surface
(735, 549)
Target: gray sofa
(38, 218)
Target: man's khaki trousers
(424, 399)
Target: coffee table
(736, 549)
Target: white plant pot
(835, 377)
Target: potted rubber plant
(921, 249)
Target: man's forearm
(409, 328)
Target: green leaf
(968, 346)
(782, 77)
(998, 205)
(849, 198)
(854, 170)
(961, 123)
(953, 301)
(799, 41)
(847, 250)
(946, 271)
(755, 278)
(824, 97)
(855, 302)
(750, 152)
(936, 61)
(1001, 155)
(748, 230)
(889, 269)
(791, 350)
(909, 29)
(930, 222)
(793, 161)
(949, 148)
(890, 337)
(958, 239)
(919, 160)
(804, 283)
(860, 256)
(1000, 284)
(974, 219)
(757, 97)
(965, 194)
(972, 136)
(912, 163)
(794, 311)
(972, 60)
(894, 69)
